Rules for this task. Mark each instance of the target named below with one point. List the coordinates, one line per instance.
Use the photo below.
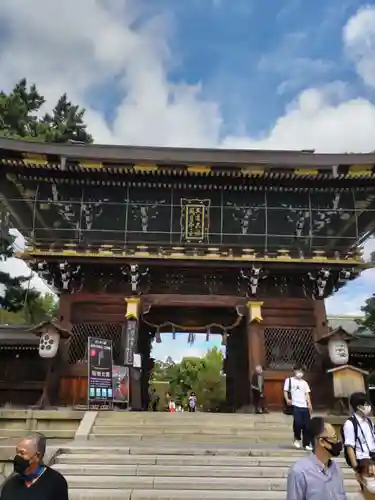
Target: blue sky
(296, 74)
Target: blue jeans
(301, 421)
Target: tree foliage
(13, 290)
(368, 322)
(36, 308)
(163, 370)
(21, 117)
(201, 375)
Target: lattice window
(286, 347)
(82, 331)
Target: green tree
(35, 309)
(163, 370)
(211, 384)
(41, 308)
(203, 376)
(13, 290)
(368, 322)
(20, 117)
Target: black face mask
(336, 448)
(20, 464)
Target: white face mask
(369, 484)
(366, 410)
(299, 374)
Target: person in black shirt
(32, 479)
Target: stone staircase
(164, 456)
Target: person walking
(154, 400)
(32, 479)
(358, 432)
(257, 387)
(192, 402)
(297, 395)
(318, 477)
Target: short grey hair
(40, 441)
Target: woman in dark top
(32, 479)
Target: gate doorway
(186, 362)
(223, 328)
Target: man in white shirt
(297, 395)
(359, 437)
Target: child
(192, 402)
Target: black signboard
(131, 340)
(100, 360)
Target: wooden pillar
(231, 370)
(65, 313)
(255, 335)
(65, 306)
(321, 324)
(129, 343)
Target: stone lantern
(52, 336)
(346, 379)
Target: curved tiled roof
(189, 155)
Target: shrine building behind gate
(141, 241)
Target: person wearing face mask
(366, 479)
(297, 395)
(358, 431)
(317, 476)
(32, 479)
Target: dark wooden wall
(22, 374)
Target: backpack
(356, 427)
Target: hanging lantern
(158, 337)
(191, 338)
(224, 338)
(338, 351)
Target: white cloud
(17, 267)
(78, 46)
(359, 40)
(351, 297)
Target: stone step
(185, 483)
(272, 432)
(217, 418)
(197, 438)
(182, 461)
(192, 471)
(49, 433)
(120, 494)
(96, 448)
(192, 426)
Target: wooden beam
(169, 300)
